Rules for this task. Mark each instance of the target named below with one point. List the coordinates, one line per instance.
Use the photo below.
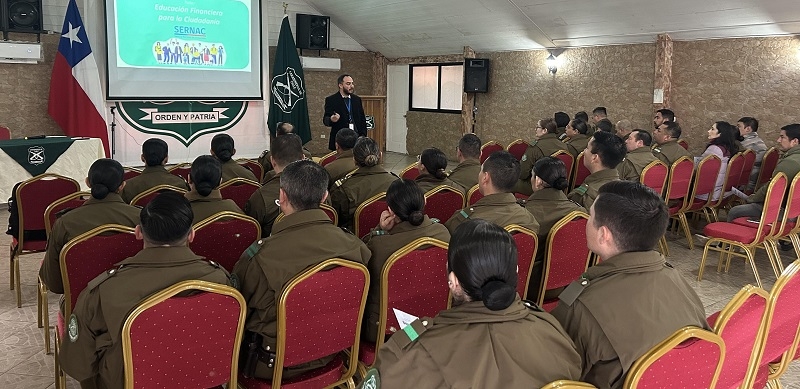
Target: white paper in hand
(739, 193)
(403, 318)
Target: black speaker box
(22, 16)
(476, 75)
(313, 31)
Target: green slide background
(138, 28)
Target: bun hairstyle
(406, 200)
(552, 171)
(105, 176)
(222, 146)
(366, 152)
(435, 162)
(483, 257)
(206, 174)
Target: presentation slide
(184, 49)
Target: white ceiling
(399, 28)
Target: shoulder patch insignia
(372, 380)
(435, 220)
(581, 190)
(252, 250)
(102, 278)
(534, 142)
(524, 158)
(656, 150)
(410, 333)
(573, 290)
(464, 214)
(72, 328)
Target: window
(436, 87)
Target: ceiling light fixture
(552, 64)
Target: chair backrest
(527, 243)
(130, 172)
(443, 201)
(331, 212)
(517, 148)
(70, 201)
(35, 195)
(783, 322)
(92, 253)
(411, 282)
(175, 340)
(768, 164)
(473, 195)
(145, 197)
(181, 170)
(490, 147)
(654, 176)
(254, 167)
(567, 255)
(788, 223)
(5, 133)
(368, 214)
(705, 180)
(239, 190)
(567, 384)
(741, 325)
(410, 172)
(224, 236)
(690, 358)
(734, 170)
(567, 159)
(748, 162)
(337, 291)
(684, 143)
(327, 158)
(580, 172)
(771, 213)
(680, 179)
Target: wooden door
(375, 106)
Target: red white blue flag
(76, 97)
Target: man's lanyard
(348, 104)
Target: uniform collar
(407, 226)
(605, 174)
(476, 312)
(365, 170)
(110, 198)
(302, 218)
(469, 162)
(578, 136)
(154, 169)
(792, 151)
(344, 154)
(162, 256)
(276, 176)
(548, 136)
(643, 149)
(497, 199)
(194, 196)
(548, 194)
(630, 262)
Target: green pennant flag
(287, 87)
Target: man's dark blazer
(335, 103)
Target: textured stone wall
(429, 129)
(727, 79)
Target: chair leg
(60, 378)
(751, 259)
(715, 214)
(17, 282)
(44, 311)
(774, 256)
(702, 263)
(685, 225)
(664, 244)
(796, 243)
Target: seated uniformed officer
(638, 157)
(489, 338)
(105, 207)
(222, 148)
(468, 153)
(578, 139)
(282, 128)
(343, 164)
(262, 204)
(545, 145)
(303, 238)
(91, 351)
(204, 179)
(155, 156)
(667, 148)
(496, 180)
(403, 222)
(632, 299)
(604, 152)
(432, 164)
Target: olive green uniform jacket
(383, 244)
(630, 303)
(427, 182)
(630, 169)
(356, 188)
(789, 164)
(588, 191)
(204, 207)
(261, 205)
(299, 241)
(470, 346)
(670, 152)
(544, 147)
(340, 166)
(466, 174)
(92, 214)
(576, 144)
(151, 176)
(91, 351)
(499, 208)
(232, 169)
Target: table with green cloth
(21, 159)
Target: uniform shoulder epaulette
(102, 278)
(377, 232)
(435, 220)
(534, 142)
(341, 181)
(657, 150)
(464, 213)
(263, 154)
(532, 306)
(581, 190)
(347, 230)
(410, 333)
(573, 291)
(251, 250)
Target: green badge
(73, 328)
(372, 380)
(524, 158)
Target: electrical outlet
(322, 136)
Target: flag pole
(285, 5)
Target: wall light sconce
(552, 65)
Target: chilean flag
(76, 98)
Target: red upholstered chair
(473, 195)
(319, 314)
(224, 236)
(678, 191)
(181, 170)
(782, 329)
(327, 158)
(732, 235)
(734, 170)
(331, 212)
(490, 147)
(239, 190)
(654, 176)
(253, 166)
(580, 172)
(704, 183)
(411, 281)
(567, 256)
(171, 340)
(741, 325)
(768, 164)
(527, 243)
(567, 159)
(410, 172)
(567, 384)
(517, 148)
(443, 201)
(5, 133)
(684, 143)
(748, 162)
(33, 196)
(143, 198)
(130, 172)
(368, 214)
(690, 358)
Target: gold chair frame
(516, 228)
(243, 161)
(470, 192)
(408, 168)
(770, 151)
(777, 369)
(651, 165)
(369, 201)
(567, 384)
(549, 244)
(237, 181)
(668, 189)
(441, 188)
(157, 188)
(180, 166)
(576, 165)
(226, 215)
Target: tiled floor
(23, 364)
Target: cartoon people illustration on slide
(159, 52)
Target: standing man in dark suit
(343, 110)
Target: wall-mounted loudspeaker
(313, 31)
(476, 75)
(21, 16)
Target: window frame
(438, 66)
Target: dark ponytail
(205, 174)
(105, 176)
(222, 146)
(552, 171)
(435, 162)
(406, 200)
